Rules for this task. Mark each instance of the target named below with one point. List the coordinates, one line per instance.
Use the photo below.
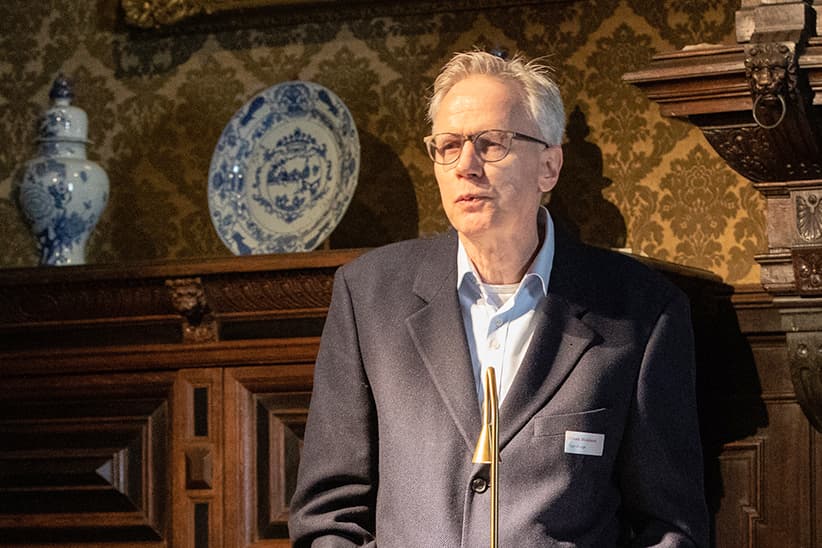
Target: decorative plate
(284, 170)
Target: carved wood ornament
(770, 69)
(759, 104)
(188, 298)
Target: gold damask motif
(161, 98)
(633, 146)
(19, 245)
(748, 233)
(706, 186)
(687, 22)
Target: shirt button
(479, 485)
(494, 345)
(498, 322)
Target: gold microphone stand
(487, 450)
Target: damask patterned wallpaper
(158, 100)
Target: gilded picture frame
(154, 14)
(149, 14)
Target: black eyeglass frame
(472, 138)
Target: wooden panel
(816, 500)
(104, 305)
(197, 459)
(266, 408)
(787, 477)
(84, 460)
(740, 509)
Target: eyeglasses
(491, 145)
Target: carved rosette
(807, 267)
(189, 300)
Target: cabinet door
(265, 413)
(85, 460)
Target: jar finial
(61, 88)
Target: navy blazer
(394, 414)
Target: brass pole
(487, 450)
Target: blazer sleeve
(660, 468)
(333, 504)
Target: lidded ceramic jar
(62, 194)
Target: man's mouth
(471, 198)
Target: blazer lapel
(560, 339)
(439, 336)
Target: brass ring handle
(781, 116)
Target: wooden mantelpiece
(231, 309)
(160, 404)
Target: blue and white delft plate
(284, 170)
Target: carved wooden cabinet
(163, 405)
(159, 404)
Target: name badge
(584, 443)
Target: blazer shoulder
(399, 262)
(603, 277)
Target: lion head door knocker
(771, 70)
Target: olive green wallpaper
(158, 100)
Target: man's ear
(551, 164)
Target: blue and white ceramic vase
(62, 193)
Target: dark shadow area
(384, 207)
(576, 203)
(729, 391)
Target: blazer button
(479, 485)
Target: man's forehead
(481, 100)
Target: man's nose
(469, 162)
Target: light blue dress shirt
(498, 324)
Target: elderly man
(599, 443)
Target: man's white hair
(540, 93)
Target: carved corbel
(805, 361)
(771, 71)
(189, 300)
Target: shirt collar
(540, 268)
